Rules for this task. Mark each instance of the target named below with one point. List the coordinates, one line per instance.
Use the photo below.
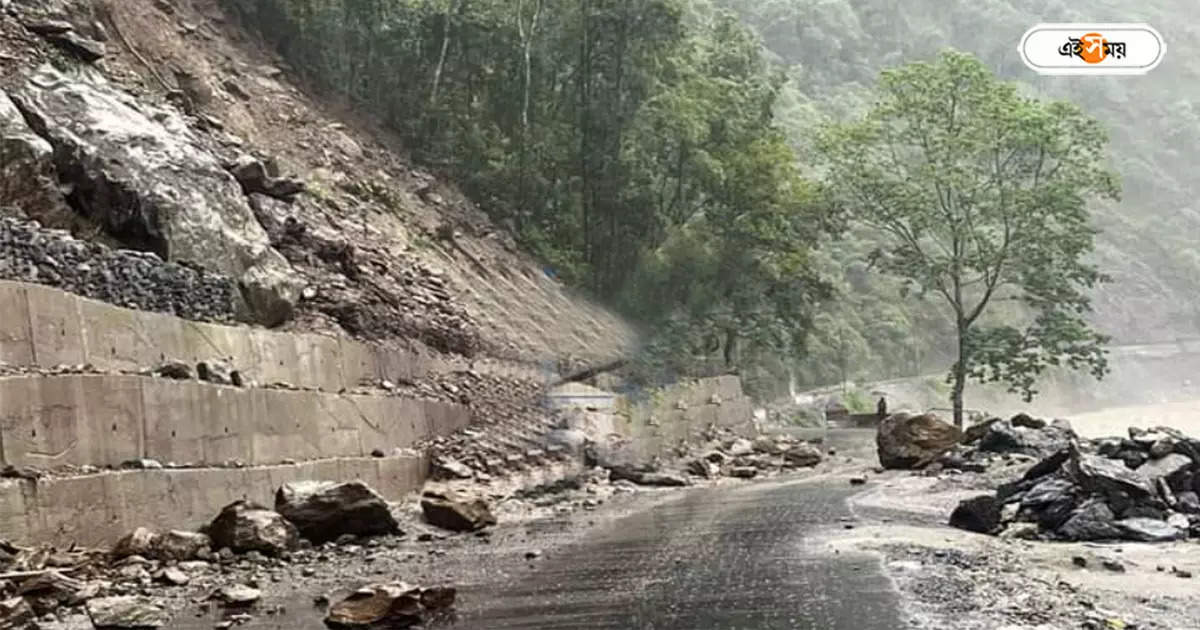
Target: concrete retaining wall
(96, 510)
(684, 410)
(104, 420)
(45, 327)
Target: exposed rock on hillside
(153, 185)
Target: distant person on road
(881, 408)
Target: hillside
(834, 49)
(140, 111)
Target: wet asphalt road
(726, 558)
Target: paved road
(728, 559)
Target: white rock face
(28, 183)
(142, 173)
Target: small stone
(237, 595)
(1180, 573)
(1079, 561)
(533, 555)
(174, 576)
(1113, 565)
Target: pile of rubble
(719, 453)
(133, 279)
(1144, 487)
(116, 588)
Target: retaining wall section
(45, 327)
(104, 420)
(96, 510)
(684, 410)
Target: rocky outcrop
(141, 173)
(908, 441)
(243, 526)
(28, 182)
(325, 510)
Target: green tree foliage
(834, 50)
(980, 194)
(631, 144)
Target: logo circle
(1091, 48)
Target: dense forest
(661, 155)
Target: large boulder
(1107, 476)
(28, 180)
(149, 180)
(243, 526)
(979, 514)
(1173, 468)
(907, 441)
(647, 477)
(324, 510)
(456, 511)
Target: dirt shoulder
(950, 578)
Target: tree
(981, 196)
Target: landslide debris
(1143, 487)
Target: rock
(460, 514)
(906, 441)
(1053, 500)
(802, 455)
(218, 373)
(181, 546)
(175, 370)
(743, 472)
(1079, 561)
(768, 445)
(243, 526)
(1113, 565)
(1162, 447)
(740, 447)
(1179, 521)
(174, 576)
(139, 542)
(979, 514)
(142, 464)
(28, 179)
(1027, 421)
(126, 612)
(1188, 502)
(88, 50)
(15, 612)
(1008, 437)
(113, 155)
(448, 468)
(858, 480)
(1168, 467)
(1021, 531)
(703, 468)
(395, 605)
(237, 595)
(252, 174)
(1093, 520)
(1048, 465)
(48, 590)
(641, 478)
(976, 431)
(324, 510)
(49, 27)
(716, 457)
(1149, 530)
(1106, 476)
